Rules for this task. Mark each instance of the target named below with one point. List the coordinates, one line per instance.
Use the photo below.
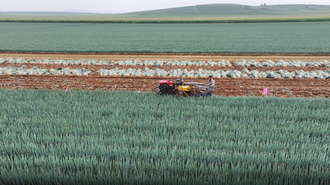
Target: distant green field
(306, 37)
(236, 11)
(214, 12)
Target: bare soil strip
(95, 68)
(224, 86)
(159, 56)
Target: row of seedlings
(159, 63)
(37, 71)
(203, 73)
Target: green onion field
(102, 137)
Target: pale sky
(124, 6)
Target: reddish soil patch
(224, 86)
(95, 68)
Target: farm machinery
(181, 88)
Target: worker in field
(210, 86)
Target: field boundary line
(174, 54)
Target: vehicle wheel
(160, 93)
(164, 88)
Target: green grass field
(305, 37)
(99, 137)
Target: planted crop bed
(173, 68)
(102, 137)
(233, 78)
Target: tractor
(179, 88)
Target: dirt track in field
(95, 68)
(224, 86)
(156, 56)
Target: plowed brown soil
(95, 68)
(224, 86)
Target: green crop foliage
(297, 37)
(100, 137)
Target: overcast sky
(124, 6)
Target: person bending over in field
(210, 86)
